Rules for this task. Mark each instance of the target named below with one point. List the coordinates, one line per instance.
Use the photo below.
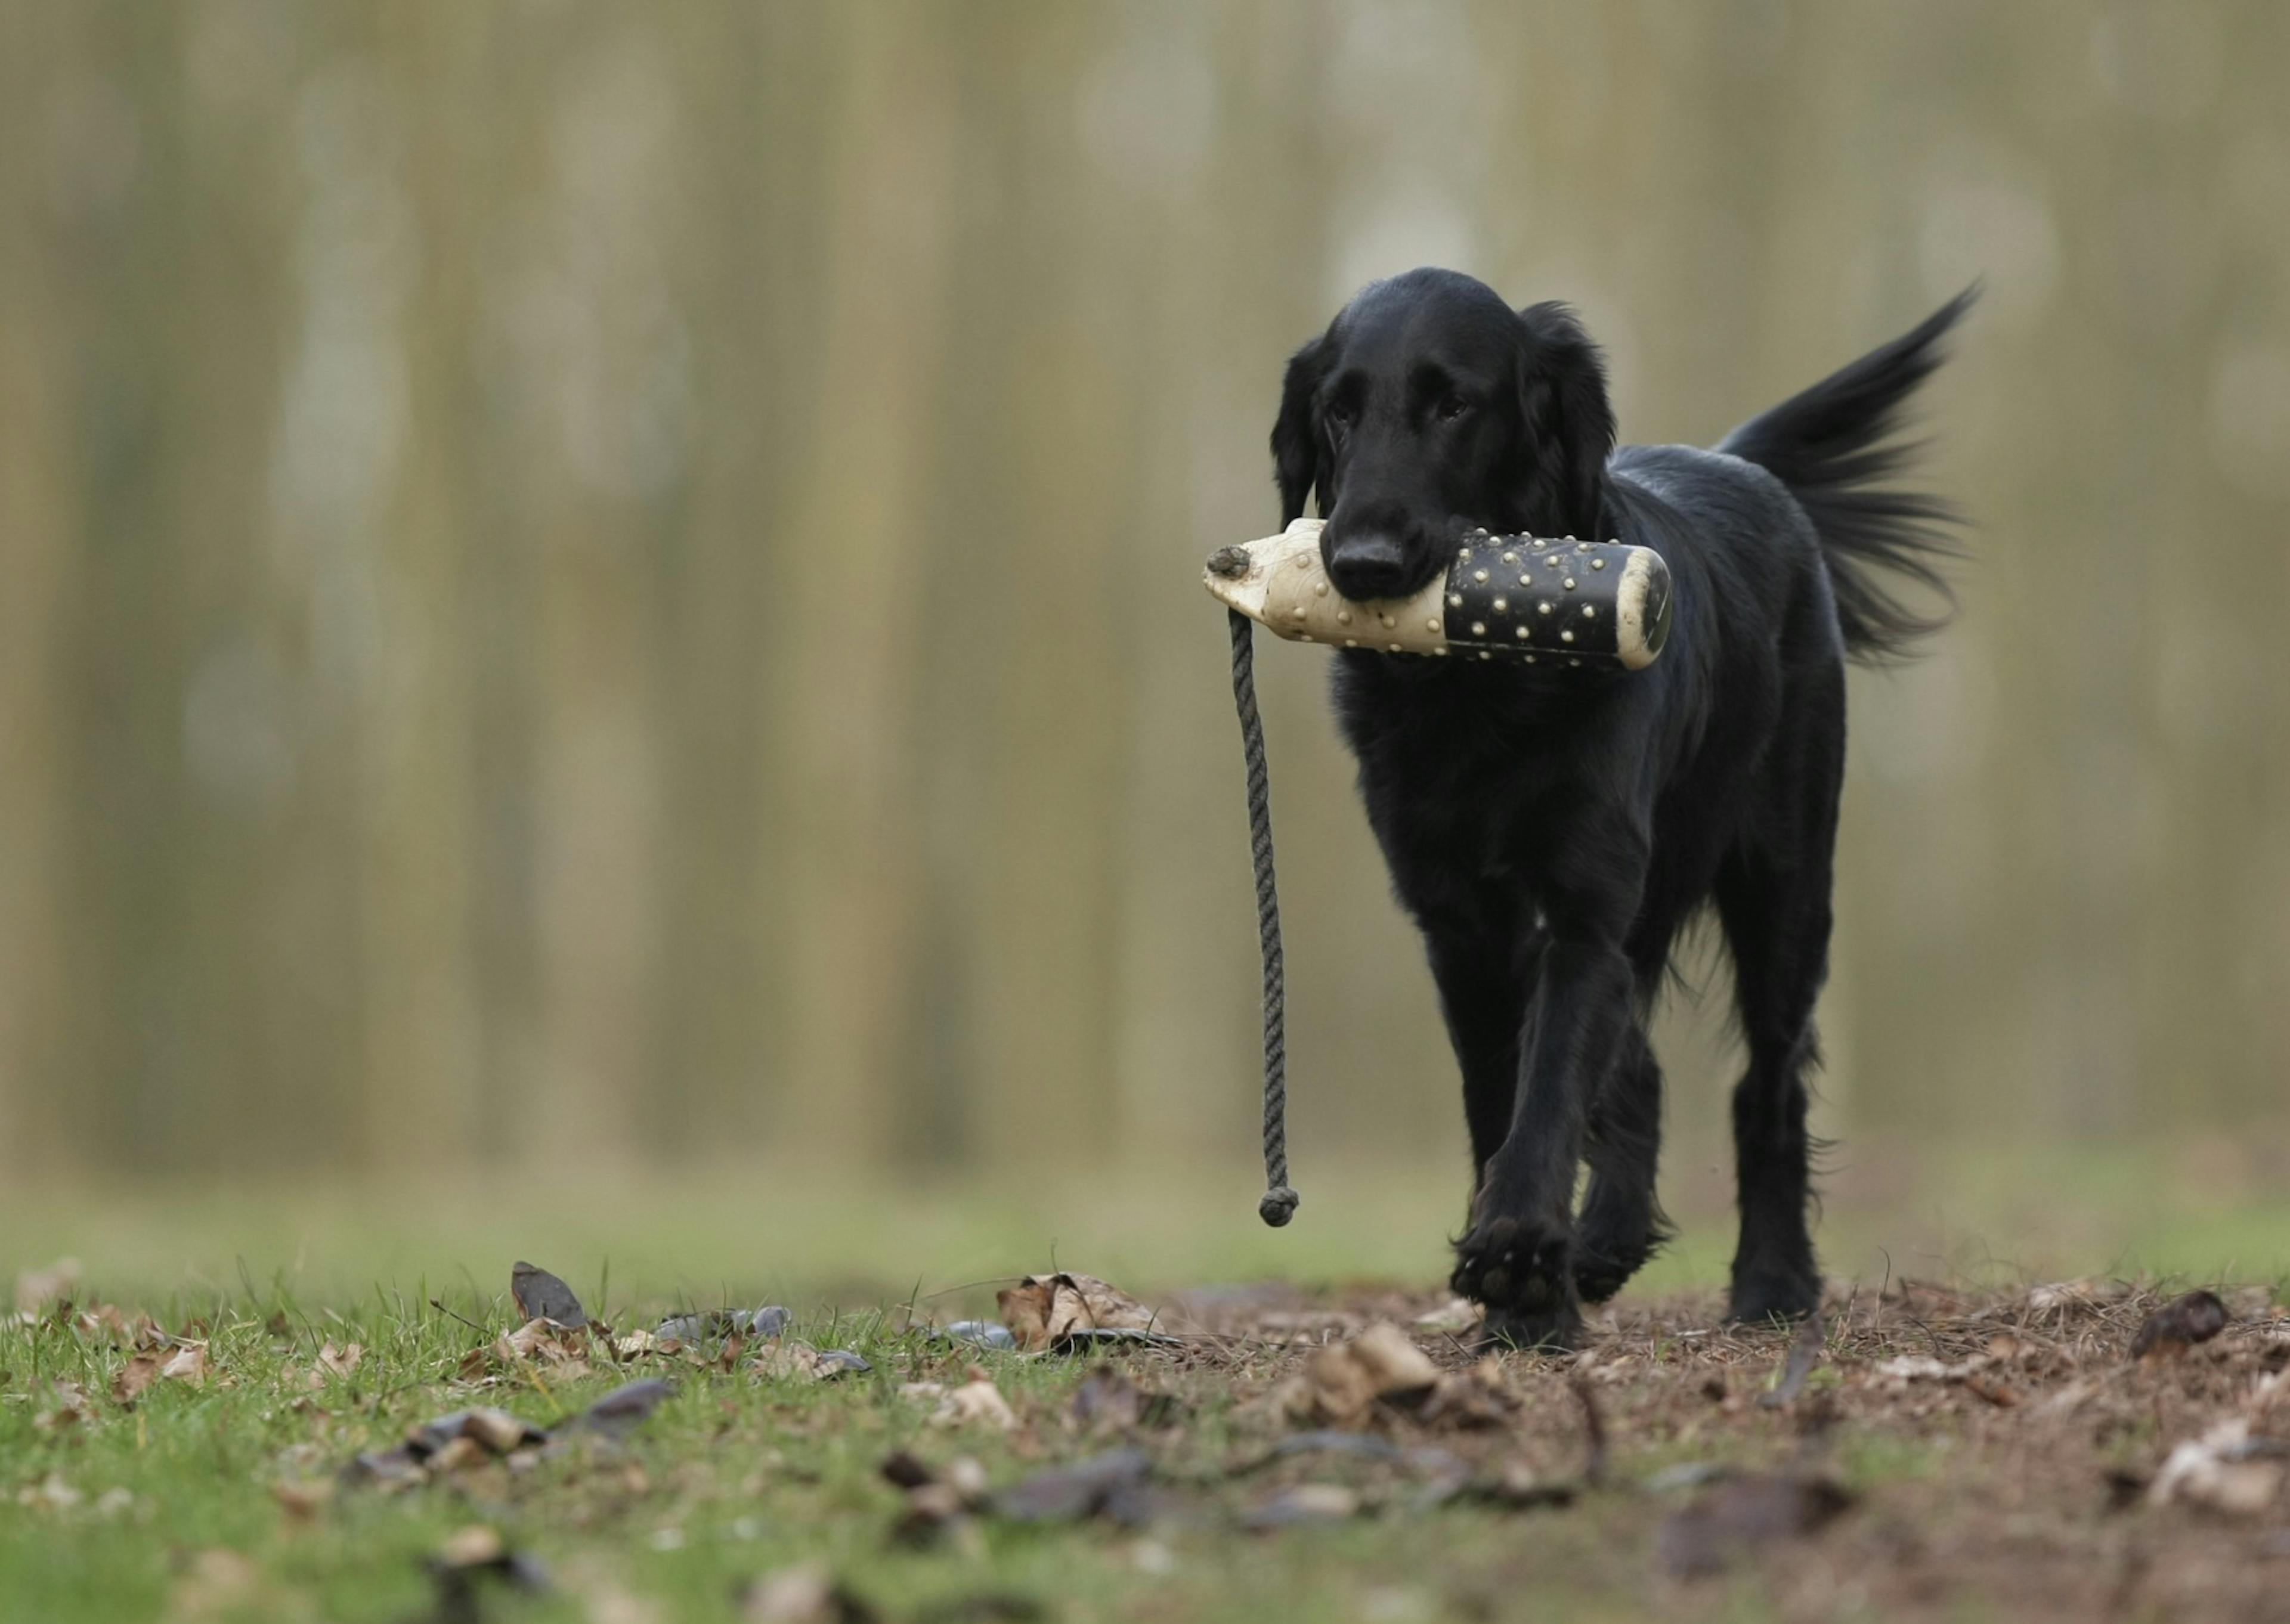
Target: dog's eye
(1452, 407)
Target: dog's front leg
(1517, 1258)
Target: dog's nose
(1367, 564)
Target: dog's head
(1429, 407)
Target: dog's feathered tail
(1832, 446)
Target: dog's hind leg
(1774, 900)
(1623, 1223)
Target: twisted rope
(1279, 1203)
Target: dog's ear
(1569, 424)
(1295, 436)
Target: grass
(215, 1500)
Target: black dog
(1549, 831)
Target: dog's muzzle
(1531, 599)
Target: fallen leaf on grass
(714, 1325)
(986, 1607)
(545, 1342)
(1478, 1397)
(188, 1363)
(807, 1594)
(1107, 1401)
(621, 1411)
(1058, 1313)
(1305, 1502)
(51, 1491)
(496, 1431)
(542, 1295)
(38, 1288)
(2226, 1470)
(303, 1498)
(1459, 1316)
(70, 1408)
(340, 1361)
(2179, 1324)
(134, 1376)
(1110, 1485)
(469, 1556)
(113, 1326)
(1341, 1385)
(936, 1504)
(2090, 1292)
(213, 1584)
(784, 1360)
(978, 1332)
(1741, 1514)
(977, 1403)
(467, 1437)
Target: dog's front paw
(1520, 1271)
(1774, 1291)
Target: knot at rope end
(1278, 1206)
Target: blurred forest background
(595, 586)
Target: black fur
(1552, 831)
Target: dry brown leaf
(188, 1363)
(2224, 1470)
(217, 1583)
(340, 1361)
(36, 1288)
(476, 1546)
(803, 1595)
(1339, 1386)
(2090, 1292)
(977, 1403)
(548, 1342)
(50, 1492)
(70, 1410)
(1743, 1513)
(1478, 1397)
(1044, 1311)
(1460, 1315)
(303, 1498)
(134, 1376)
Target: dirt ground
(1921, 1453)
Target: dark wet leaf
(384, 1469)
(841, 1362)
(905, 1471)
(1107, 1485)
(1744, 1513)
(991, 1607)
(468, 1558)
(623, 1409)
(2180, 1323)
(713, 1324)
(977, 1332)
(542, 1295)
(1109, 1400)
(496, 1430)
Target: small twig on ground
(1594, 1428)
(449, 1314)
(1804, 1353)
